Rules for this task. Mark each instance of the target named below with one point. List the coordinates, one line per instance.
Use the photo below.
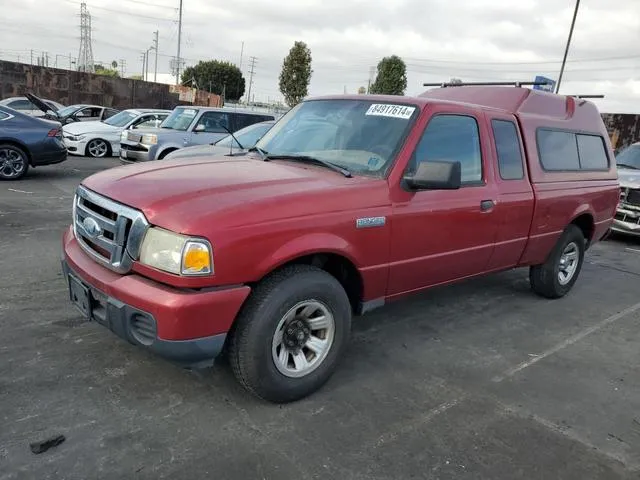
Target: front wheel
(555, 277)
(98, 148)
(291, 334)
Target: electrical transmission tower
(123, 67)
(252, 61)
(85, 56)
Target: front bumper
(627, 220)
(75, 148)
(131, 152)
(188, 327)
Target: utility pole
(144, 60)
(31, 56)
(155, 47)
(146, 75)
(70, 62)
(241, 52)
(252, 61)
(179, 44)
(566, 50)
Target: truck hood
(82, 128)
(189, 194)
(629, 178)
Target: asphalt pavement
(482, 380)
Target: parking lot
(479, 380)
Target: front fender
(308, 245)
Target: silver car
(186, 126)
(627, 219)
(245, 138)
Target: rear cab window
(566, 151)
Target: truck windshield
(629, 157)
(180, 119)
(362, 136)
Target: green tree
(135, 77)
(107, 72)
(391, 78)
(296, 74)
(216, 76)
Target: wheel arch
(585, 221)
(328, 252)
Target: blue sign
(550, 84)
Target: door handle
(486, 205)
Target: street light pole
(566, 50)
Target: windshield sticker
(189, 111)
(394, 111)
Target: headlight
(123, 136)
(176, 253)
(76, 138)
(149, 139)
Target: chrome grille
(109, 231)
(633, 197)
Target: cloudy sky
(475, 40)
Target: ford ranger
(347, 203)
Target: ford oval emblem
(91, 227)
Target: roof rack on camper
(478, 84)
(505, 84)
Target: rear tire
(291, 334)
(14, 162)
(556, 277)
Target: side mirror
(199, 128)
(435, 176)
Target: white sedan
(102, 139)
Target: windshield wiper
(263, 153)
(627, 166)
(307, 158)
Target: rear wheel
(291, 334)
(555, 277)
(98, 148)
(14, 162)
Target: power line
(128, 13)
(140, 2)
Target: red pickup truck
(347, 203)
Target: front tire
(556, 277)
(98, 148)
(14, 162)
(291, 334)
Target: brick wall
(624, 129)
(70, 87)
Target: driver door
(439, 236)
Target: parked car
(247, 136)
(102, 139)
(186, 126)
(27, 141)
(73, 113)
(24, 105)
(627, 219)
(271, 253)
